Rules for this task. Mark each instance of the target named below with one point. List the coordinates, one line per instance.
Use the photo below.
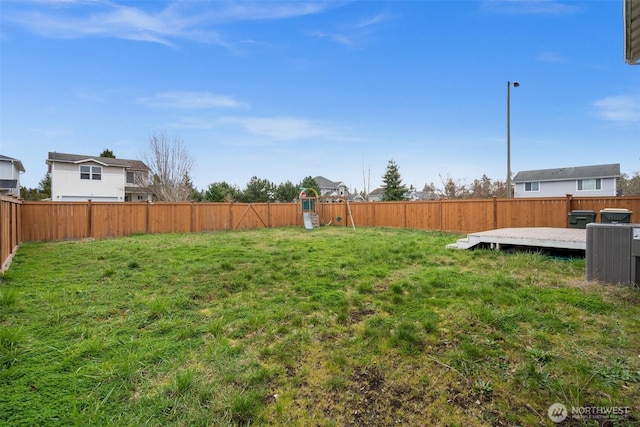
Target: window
(85, 172)
(531, 186)
(589, 184)
(91, 172)
(130, 178)
(96, 173)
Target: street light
(515, 84)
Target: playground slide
(307, 221)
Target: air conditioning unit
(613, 253)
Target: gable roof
(326, 183)
(570, 173)
(78, 158)
(137, 165)
(17, 163)
(377, 192)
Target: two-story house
(10, 170)
(596, 180)
(331, 188)
(101, 179)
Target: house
(631, 14)
(331, 188)
(376, 195)
(135, 189)
(10, 170)
(415, 195)
(101, 179)
(596, 180)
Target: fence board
(284, 214)
(118, 219)
(211, 216)
(55, 221)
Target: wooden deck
(540, 237)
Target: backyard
(330, 327)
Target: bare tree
(629, 185)
(452, 189)
(169, 162)
(366, 182)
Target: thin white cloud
(352, 34)
(340, 39)
(530, 7)
(191, 100)
(373, 20)
(551, 57)
(178, 21)
(623, 109)
(282, 128)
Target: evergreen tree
(258, 190)
(287, 192)
(107, 153)
(42, 192)
(393, 188)
(220, 192)
(196, 195)
(309, 182)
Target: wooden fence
(79, 220)
(23, 221)
(10, 229)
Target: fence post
(193, 218)
(147, 219)
(569, 202)
(405, 214)
(375, 220)
(89, 222)
(268, 214)
(495, 213)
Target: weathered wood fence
(23, 221)
(10, 229)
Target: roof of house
(138, 165)
(17, 163)
(105, 161)
(377, 191)
(326, 183)
(570, 173)
(632, 31)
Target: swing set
(309, 208)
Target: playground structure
(309, 208)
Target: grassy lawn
(370, 327)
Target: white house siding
(562, 188)
(8, 170)
(66, 184)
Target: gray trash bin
(615, 216)
(580, 219)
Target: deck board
(542, 237)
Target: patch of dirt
(356, 316)
(370, 401)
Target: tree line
(170, 165)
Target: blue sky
(284, 90)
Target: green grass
(291, 327)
